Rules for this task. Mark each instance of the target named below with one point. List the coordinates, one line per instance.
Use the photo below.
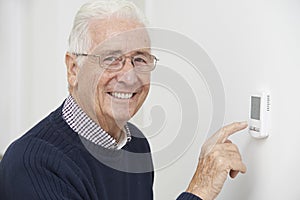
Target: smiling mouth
(122, 95)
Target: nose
(127, 74)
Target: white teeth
(120, 95)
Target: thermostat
(259, 119)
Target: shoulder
(47, 140)
(37, 161)
(38, 170)
(50, 134)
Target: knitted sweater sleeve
(36, 171)
(187, 196)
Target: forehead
(118, 34)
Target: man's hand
(219, 157)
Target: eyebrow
(142, 52)
(120, 52)
(108, 52)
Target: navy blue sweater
(52, 162)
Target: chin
(122, 115)
(122, 110)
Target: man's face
(110, 97)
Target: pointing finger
(222, 135)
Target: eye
(140, 59)
(111, 60)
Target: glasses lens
(111, 62)
(144, 62)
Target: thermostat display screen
(255, 107)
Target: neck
(112, 127)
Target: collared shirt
(82, 124)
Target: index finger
(222, 135)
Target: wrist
(201, 193)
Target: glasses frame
(124, 58)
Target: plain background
(254, 44)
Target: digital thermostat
(259, 122)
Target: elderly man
(86, 149)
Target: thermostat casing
(259, 116)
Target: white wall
(33, 41)
(255, 46)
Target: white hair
(79, 39)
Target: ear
(72, 69)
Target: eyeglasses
(142, 62)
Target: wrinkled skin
(91, 86)
(219, 157)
